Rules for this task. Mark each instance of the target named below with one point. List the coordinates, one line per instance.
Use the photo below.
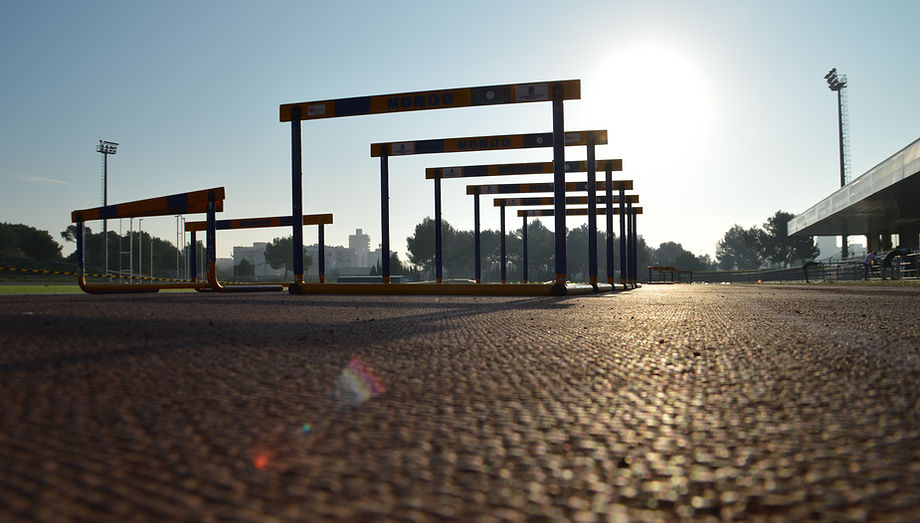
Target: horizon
(719, 111)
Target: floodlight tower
(838, 83)
(106, 148)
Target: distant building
(354, 259)
(376, 255)
(830, 251)
(827, 246)
(336, 258)
(256, 256)
(360, 244)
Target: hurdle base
(245, 288)
(438, 289)
(138, 288)
(91, 288)
(571, 289)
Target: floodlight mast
(106, 148)
(838, 83)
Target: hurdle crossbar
(549, 200)
(182, 203)
(485, 143)
(514, 169)
(520, 188)
(571, 212)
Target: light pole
(106, 148)
(838, 84)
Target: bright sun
(657, 99)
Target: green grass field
(39, 288)
(10, 289)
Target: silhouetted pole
(838, 83)
(106, 148)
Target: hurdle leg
(296, 199)
(193, 258)
(504, 268)
(629, 238)
(438, 259)
(592, 214)
(211, 245)
(524, 241)
(81, 257)
(632, 272)
(635, 251)
(608, 190)
(623, 267)
(384, 215)
(477, 261)
(559, 186)
(321, 253)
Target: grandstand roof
(885, 197)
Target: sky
(718, 108)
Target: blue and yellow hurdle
(208, 201)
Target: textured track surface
(666, 402)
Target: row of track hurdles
(207, 201)
(554, 92)
(210, 201)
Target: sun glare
(658, 98)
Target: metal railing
(903, 267)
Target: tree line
(146, 249)
(755, 248)
(18, 241)
(458, 256)
(24, 246)
(739, 249)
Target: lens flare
(356, 384)
(261, 461)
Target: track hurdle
(553, 91)
(520, 188)
(207, 201)
(511, 169)
(321, 220)
(479, 143)
(569, 200)
(627, 267)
